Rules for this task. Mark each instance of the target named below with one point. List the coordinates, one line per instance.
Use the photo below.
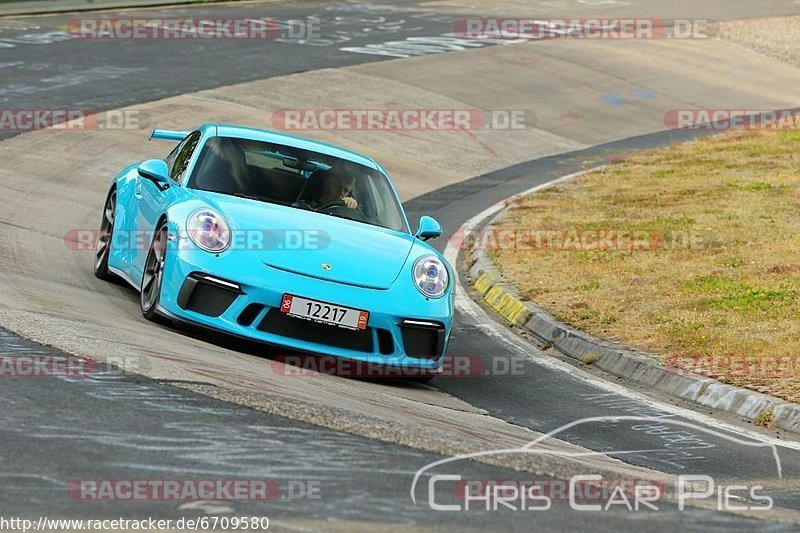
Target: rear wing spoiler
(168, 135)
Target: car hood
(313, 244)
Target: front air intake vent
(423, 339)
(207, 295)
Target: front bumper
(240, 295)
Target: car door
(152, 202)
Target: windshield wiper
(344, 217)
(249, 197)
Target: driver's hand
(350, 202)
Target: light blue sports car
(279, 239)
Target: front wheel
(153, 277)
(105, 238)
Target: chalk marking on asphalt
(466, 305)
(207, 506)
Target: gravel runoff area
(777, 37)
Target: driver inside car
(327, 187)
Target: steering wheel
(330, 205)
(340, 209)
(301, 204)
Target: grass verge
(691, 252)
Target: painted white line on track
(487, 325)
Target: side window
(170, 159)
(179, 159)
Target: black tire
(422, 380)
(104, 239)
(153, 275)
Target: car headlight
(431, 277)
(209, 230)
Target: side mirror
(156, 171)
(428, 228)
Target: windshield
(298, 178)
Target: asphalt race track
(172, 403)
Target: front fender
(124, 217)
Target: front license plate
(324, 313)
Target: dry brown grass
(723, 278)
